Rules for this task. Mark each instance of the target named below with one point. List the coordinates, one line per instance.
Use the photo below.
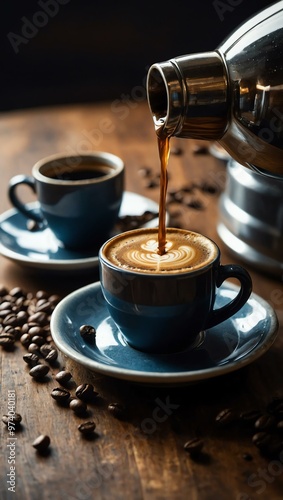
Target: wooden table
(142, 456)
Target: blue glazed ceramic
(163, 312)
(79, 196)
(233, 344)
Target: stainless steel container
(251, 218)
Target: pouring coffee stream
(233, 95)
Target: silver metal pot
(251, 218)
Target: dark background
(86, 51)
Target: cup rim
(103, 157)
(165, 274)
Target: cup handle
(22, 207)
(225, 312)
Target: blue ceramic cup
(162, 303)
(79, 196)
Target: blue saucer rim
(165, 378)
(79, 263)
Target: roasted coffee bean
(262, 440)
(87, 428)
(117, 410)
(11, 319)
(88, 333)
(200, 150)
(3, 290)
(39, 318)
(145, 171)
(250, 416)
(54, 299)
(39, 341)
(26, 339)
(45, 349)
(43, 305)
(51, 356)
(78, 406)
(31, 359)
(7, 340)
(196, 204)
(226, 417)
(208, 188)
(4, 313)
(86, 392)
(248, 457)
(265, 422)
(22, 317)
(176, 151)
(41, 294)
(33, 348)
(60, 395)
(6, 306)
(63, 377)
(279, 426)
(194, 446)
(39, 371)
(41, 443)
(13, 420)
(36, 331)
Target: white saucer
(41, 250)
(220, 350)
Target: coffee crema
(138, 251)
(79, 172)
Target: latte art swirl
(148, 257)
(139, 251)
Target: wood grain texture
(141, 457)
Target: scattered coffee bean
(176, 151)
(262, 440)
(39, 371)
(86, 392)
(41, 443)
(200, 150)
(13, 420)
(194, 446)
(87, 428)
(226, 417)
(78, 406)
(145, 171)
(33, 348)
(265, 422)
(60, 395)
(31, 359)
(88, 333)
(117, 410)
(196, 204)
(45, 349)
(206, 187)
(7, 340)
(279, 426)
(250, 416)
(63, 377)
(52, 356)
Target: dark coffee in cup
(138, 251)
(80, 172)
